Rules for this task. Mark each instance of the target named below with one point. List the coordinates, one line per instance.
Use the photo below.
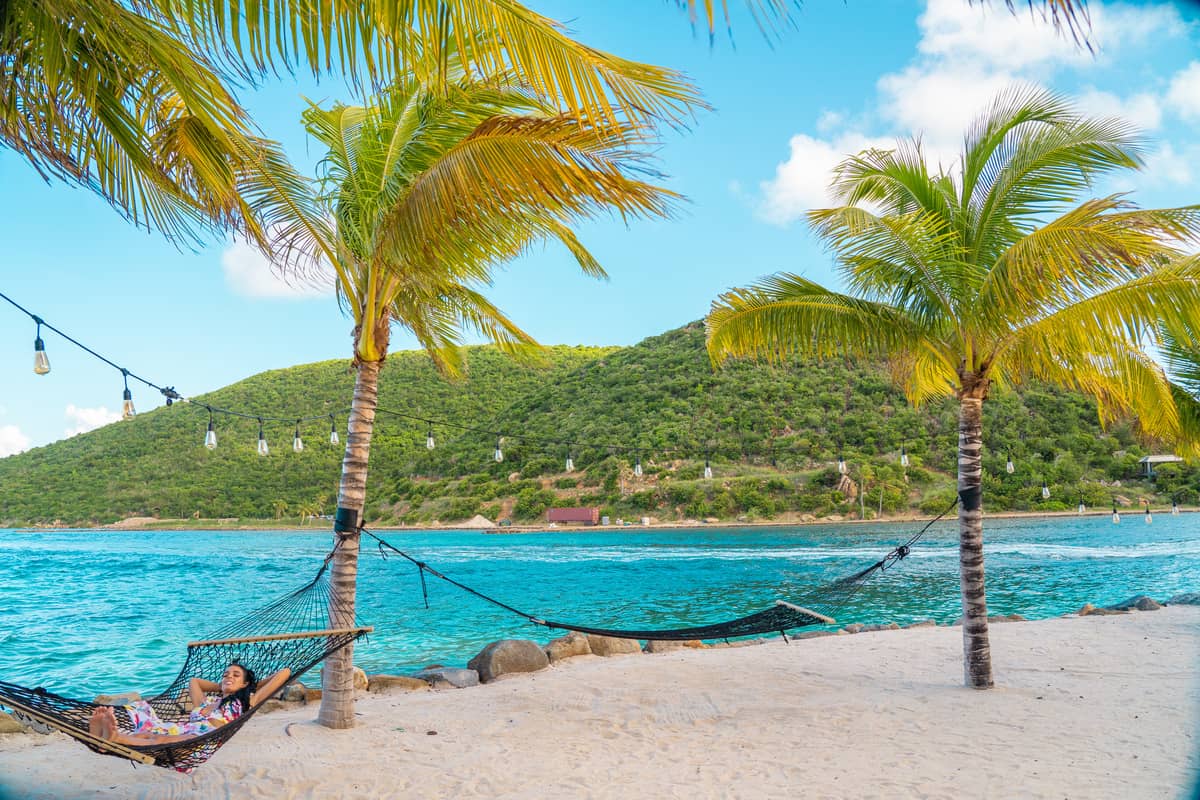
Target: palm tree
(421, 194)
(132, 100)
(993, 273)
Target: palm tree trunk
(337, 677)
(977, 653)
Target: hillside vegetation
(771, 434)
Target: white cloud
(88, 419)
(1184, 95)
(12, 441)
(952, 30)
(1144, 110)
(1167, 166)
(249, 273)
(802, 182)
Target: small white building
(1148, 463)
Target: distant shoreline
(207, 525)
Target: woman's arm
(198, 688)
(270, 686)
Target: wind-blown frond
(783, 315)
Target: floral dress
(203, 719)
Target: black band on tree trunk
(972, 498)
(345, 520)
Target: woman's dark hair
(242, 695)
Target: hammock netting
(292, 632)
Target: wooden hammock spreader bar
(801, 609)
(275, 637)
(83, 736)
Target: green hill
(772, 435)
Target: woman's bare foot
(102, 723)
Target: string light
(841, 464)
(1174, 506)
(429, 443)
(1149, 519)
(1008, 466)
(707, 468)
(1082, 508)
(499, 454)
(637, 467)
(263, 450)
(41, 362)
(333, 434)
(903, 456)
(127, 409)
(570, 461)
(1116, 517)
(297, 442)
(1045, 491)
(210, 438)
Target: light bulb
(262, 441)
(499, 454)
(1116, 516)
(1082, 508)
(903, 457)
(127, 409)
(210, 438)
(297, 442)
(1149, 519)
(707, 469)
(429, 443)
(570, 464)
(1008, 467)
(841, 465)
(41, 362)
(333, 434)
(1174, 507)
(1045, 492)
(637, 468)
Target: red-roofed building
(588, 516)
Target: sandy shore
(1085, 707)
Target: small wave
(1083, 552)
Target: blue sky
(849, 75)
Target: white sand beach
(1085, 707)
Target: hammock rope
(780, 618)
(292, 632)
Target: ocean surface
(83, 612)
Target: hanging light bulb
(333, 434)
(1045, 492)
(903, 457)
(1149, 519)
(841, 464)
(637, 467)
(1082, 507)
(1116, 515)
(297, 442)
(499, 454)
(707, 467)
(429, 443)
(1174, 506)
(1009, 467)
(210, 438)
(262, 440)
(127, 409)
(570, 461)
(41, 362)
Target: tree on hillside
(421, 194)
(993, 273)
(133, 100)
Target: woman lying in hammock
(237, 694)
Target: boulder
(311, 695)
(448, 678)
(1140, 602)
(119, 699)
(508, 656)
(10, 725)
(385, 683)
(1006, 618)
(881, 626)
(1090, 610)
(272, 705)
(294, 693)
(854, 627)
(360, 679)
(658, 646)
(611, 646)
(1185, 599)
(925, 623)
(569, 646)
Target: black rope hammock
(779, 618)
(294, 631)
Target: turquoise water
(88, 611)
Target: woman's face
(232, 679)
